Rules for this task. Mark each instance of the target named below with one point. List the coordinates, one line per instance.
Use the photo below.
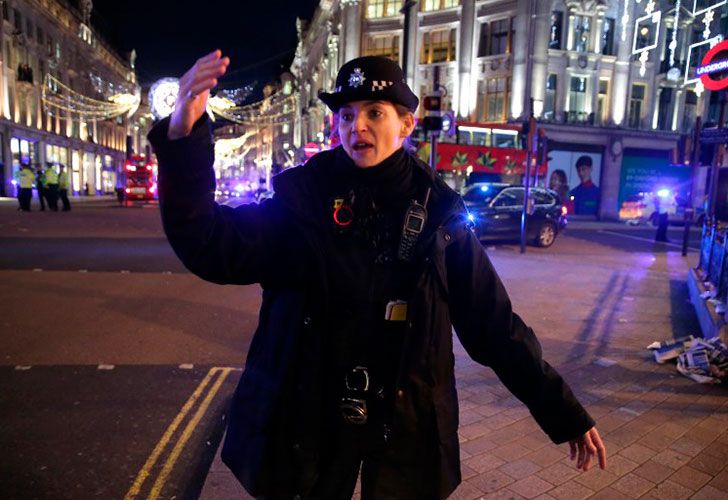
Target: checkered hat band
(381, 84)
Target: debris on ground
(705, 361)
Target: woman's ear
(408, 125)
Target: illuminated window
(577, 99)
(438, 46)
(557, 21)
(582, 28)
(430, 5)
(387, 46)
(383, 8)
(493, 104)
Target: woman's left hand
(586, 447)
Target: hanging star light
(649, 23)
(675, 27)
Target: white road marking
(37, 270)
(186, 366)
(105, 367)
(22, 368)
(83, 270)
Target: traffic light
(542, 149)
(432, 103)
(432, 123)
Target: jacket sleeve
(219, 243)
(495, 336)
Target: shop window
(549, 104)
(636, 104)
(581, 31)
(555, 33)
(438, 46)
(382, 8)
(387, 46)
(607, 40)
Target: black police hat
(370, 78)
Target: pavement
(666, 435)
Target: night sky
(168, 35)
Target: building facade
(49, 49)
(610, 80)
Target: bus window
(474, 136)
(505, 139)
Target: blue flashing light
(484, 188)
(240, 188)
(471, 217)
(664, 193)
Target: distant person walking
(39, 186)
(661, 209)
(50, 185)
(25, 187)
(63, 185)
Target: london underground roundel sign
(713, 70)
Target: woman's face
(370, 131)
(555, 181)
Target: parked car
(640, 209)
(495, 211)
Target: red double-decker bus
(479, 152)
(141, 181)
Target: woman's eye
(375, 113)
(347, 117)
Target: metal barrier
(714, 257)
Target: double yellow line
(217, 373)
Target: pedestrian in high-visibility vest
(25, 187)
(63, 185)
(50, 184)
(39, 186)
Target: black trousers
(63, 193)
(24, 197)
(51, 192)
(41, 198)
(353, 449)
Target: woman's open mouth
(361, 146)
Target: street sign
(714, 135)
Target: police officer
(25, 187)
(50, 185)
(63, 186)
(39, 186)
(367, 263)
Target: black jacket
(274, 431)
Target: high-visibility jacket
(63, 180)
(26, 178)
(50, 177)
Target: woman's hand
(194, 89)
(586, 447)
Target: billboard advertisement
(575, 176)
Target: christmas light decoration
(653, 18)
(675, 27)
(61, 100)
(690, 78)
(162, 97)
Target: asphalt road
(117, 363)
